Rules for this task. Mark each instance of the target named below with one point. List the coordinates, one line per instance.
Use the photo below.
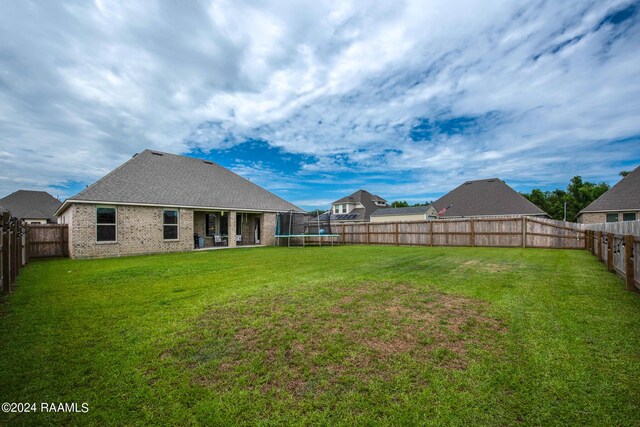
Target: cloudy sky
(314, 100)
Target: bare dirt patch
(318, 339)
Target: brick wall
(268, 229)
(600, 217)
(139, 231)
(592, 218)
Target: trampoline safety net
(298, 224)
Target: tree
(579, 194)
(400, 204)
(624, 173)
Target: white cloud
(549, 85)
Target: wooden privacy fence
(12, 254)
(47, 240)
(493, 232)
(619, 252)
(21, 242)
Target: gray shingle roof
(625, 195)
(366, 199)
(156, 178)
(412, 210)
(359, 196)
(27, 204)
(485, 197)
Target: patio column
(231, 232)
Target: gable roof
(359, 196)
(366, 199)
(164, 179)
(411, 210)
(625, 195)
(485, 197)
(27, 204)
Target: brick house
(620, 203)
(160, 202)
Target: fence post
(14, 244)
(472, 228)
(599, 244)
(25, 257)
(431, 233)
(19, 246)
(9, 253)
(397, 237)
(610, 252)
(62, 241)
(524, 231)
(368, 237)
(628, 261)
(2, 253)
(6, 286)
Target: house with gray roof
(160, 202)
(620, 203)
(485, 198)
(356, 207)
(34, 207)
(412, 213)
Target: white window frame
(115, 224)
(177, 224)
(612, 213)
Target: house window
(105, 224)
(631, 216)
(344, 208)
(170, 224)
(612, 217)
(210, 226)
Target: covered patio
(218, 229)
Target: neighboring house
(413, 213)
(160, 202)
(356, 207)
(485, 197)
(34, 207)
(620, 203)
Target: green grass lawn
(343, 335)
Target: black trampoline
(303, 226)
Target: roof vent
(467, 183)
(491, 180)
(208, 162)
(134, 155)
(157, 154)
